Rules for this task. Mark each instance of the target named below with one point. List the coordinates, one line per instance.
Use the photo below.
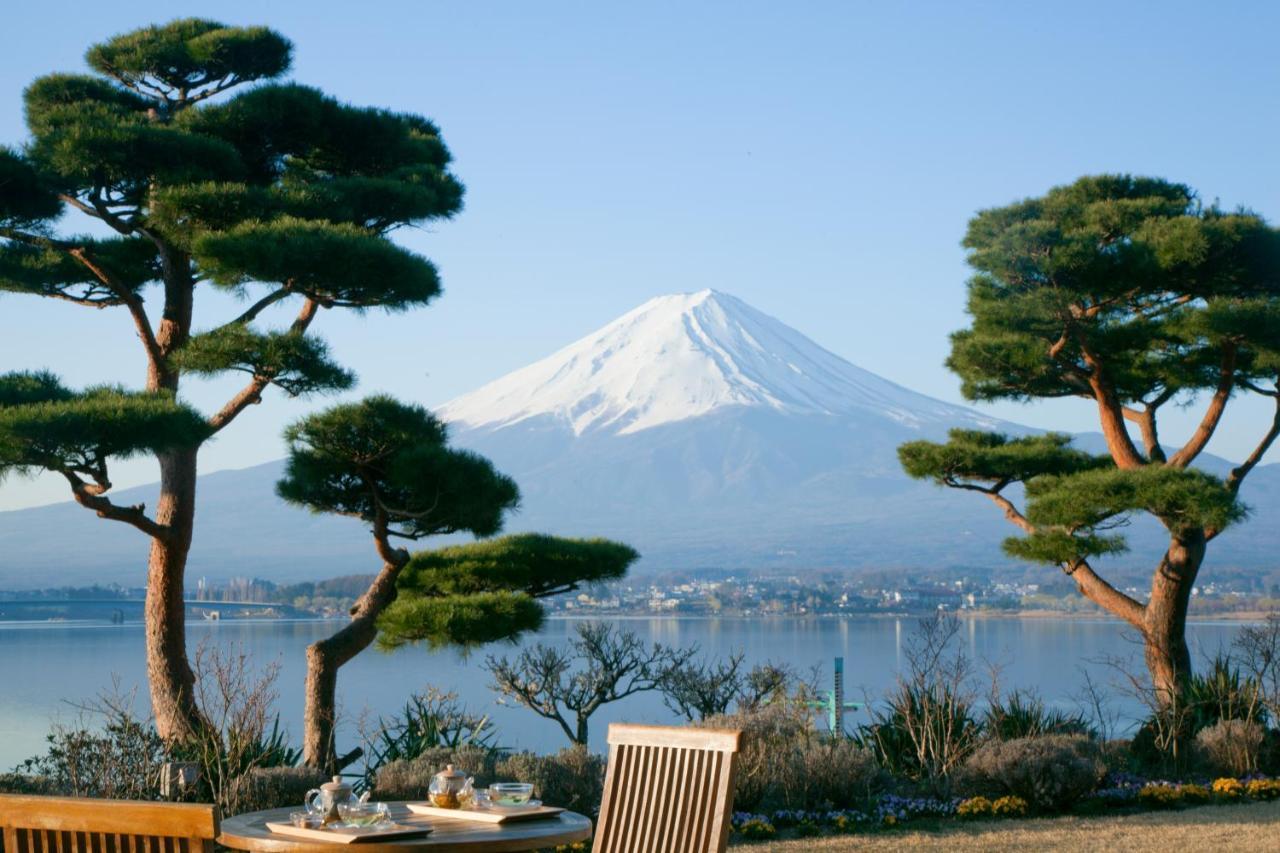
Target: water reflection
(45, 666)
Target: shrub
(1228, 789)
(20, 783)
(1193, 795)
(430, 720)
(928, 729)
(1009, 807)
(1050, 772)
(757, 829)
(120, 760)
(1159, 795)
(275, 787)
(1256, 789)
(409, 779)
(773, 731)
(572, 778)
(1230, 747)
(1023, 714)
(826, 773)
(974, 808)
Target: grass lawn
(1255, 826)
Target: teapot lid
(450, 773)
(336, 785)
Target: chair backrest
(667, 790)
(67, 825)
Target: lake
(45, 667)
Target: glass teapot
(451, 789)
(325, 800)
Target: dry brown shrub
(1230, 747)
(1048, 771)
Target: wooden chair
(667, 790)
(66, 825)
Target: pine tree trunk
(172, 682)
(325, 657)
(1165, 624)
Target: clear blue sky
(819, 160)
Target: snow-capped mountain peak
(684, 356)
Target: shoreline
(1234, 617)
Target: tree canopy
(388, 463)
(481, 592)
(202, 171)
(1131, 293)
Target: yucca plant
(1024, 714)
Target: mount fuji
(698, 429)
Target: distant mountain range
(695, 427)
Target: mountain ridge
(696, 428)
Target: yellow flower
(1263, 789)
(1228, 789)
(974, 807)
(1009, 807)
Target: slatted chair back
(66, 825)
(667, 790)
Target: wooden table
(249, 832)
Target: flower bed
(1119, 791)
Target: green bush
(1050, 772)
(20, 783)
(120, 760)
(275, 787)
(926, 732)
(572, 778)
(409, 779)
(1024, 714)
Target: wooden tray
(348, 836)
(486, 815)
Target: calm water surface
(45, 668)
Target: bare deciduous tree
(601, 665)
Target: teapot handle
(309, 802)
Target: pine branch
(1105, 595)
(1213, 414)
(261, 305)
(251, 394)
(90, 497)
(1237, 475)
(1090, 584)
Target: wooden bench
(667, 790)
(67, 825)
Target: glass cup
(304, 820)
(510, 794)
(362, 815)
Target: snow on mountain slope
(685, 356)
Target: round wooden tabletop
(249, 832)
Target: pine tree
(1131, 294)
(276, 193)
(389, 465)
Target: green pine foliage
(986, 457)
(299, 364)
(1133, 272)
(383, 458)
(45, 426)
(1129, 293)
(486, 591)
(274, 190)
(389, 464)
(337, 265)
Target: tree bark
(1165, 620)
(172, 681)
(326, 656)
